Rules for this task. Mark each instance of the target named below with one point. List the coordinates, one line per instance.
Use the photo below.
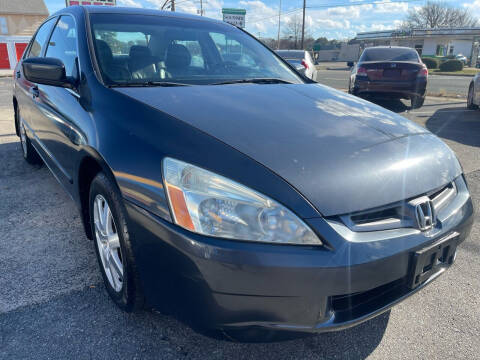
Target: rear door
(25, 90)
(58, 107)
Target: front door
(57, 107)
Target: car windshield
(389, 54)
(154, 50)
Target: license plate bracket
(427, 261)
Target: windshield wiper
(149, 83)
(254, 81)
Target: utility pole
(201, 7)
(303, 22)
(173, 7)
(279, 19)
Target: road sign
(90, 2)
(234, 16)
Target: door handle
(34, 91)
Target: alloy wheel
(108, 243)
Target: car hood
(342, 153)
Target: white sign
(234, 16)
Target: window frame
(76, 40)
(73, 91)
(42, 54)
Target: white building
(428, 42)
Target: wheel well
(15, 105)
(89, 168)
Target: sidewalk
(6, 73)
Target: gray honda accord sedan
(217, 181)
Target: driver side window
(63, 44)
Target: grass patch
(465, 72)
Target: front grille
(398, 215)
(351, 302)
(353, 306)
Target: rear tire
(28, 151)
(112, 245)
(417, 102)
(471, 95)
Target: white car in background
(462, 58)
(301, 60)
(473, 98)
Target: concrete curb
(450, 74)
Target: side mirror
(47, 71)
(350, 64)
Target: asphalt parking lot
(53, 304)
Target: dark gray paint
(341, 152)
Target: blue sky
(334, 19)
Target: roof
(142, 11)
(420, 32)
(23, 7)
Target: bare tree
(293, 30)
(437, 15)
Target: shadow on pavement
(456, 124)
(86, 324)
(395, 105)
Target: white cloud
(473, 7)
(130, 3)
(391, 7)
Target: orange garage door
(4, 62)
(19, 49)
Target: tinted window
(389, 54)
(295, 62)
(63, 44)
(41, 38)
(291, 54)
(140, 49)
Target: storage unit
(19, 19)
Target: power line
(334, 6)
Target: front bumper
(232, 284)
(400, 89)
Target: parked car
(391, 72)
(462, 58)
(202, 187)
(473, 98)
(301, 60)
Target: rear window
(389, 54)
(291, 54)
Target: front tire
(112, 244)
(471, 95)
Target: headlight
(212, 205)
